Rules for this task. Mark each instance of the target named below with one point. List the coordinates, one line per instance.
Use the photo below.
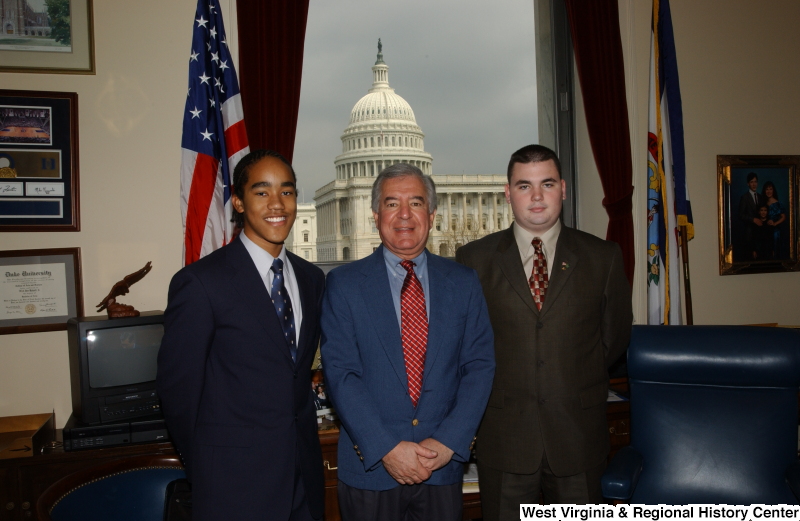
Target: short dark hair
(403, 170)
(241, 174)
(751, 176)
(533, 154)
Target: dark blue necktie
(283, 305)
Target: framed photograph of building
(758, 208)
(39, 161)
(40, 290)
(50, 36)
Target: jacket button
(295, 375)
(540, 363)
(539, 325)
(541, 402)
(415, 422)
(295, 417)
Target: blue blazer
(365, 371)
(238, 409)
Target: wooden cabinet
(23, 480)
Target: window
(521, 91)
(306, 254)
(305, 221)
(305, 236)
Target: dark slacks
(503, 492)
(402, 503)
(300, 510)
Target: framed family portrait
(39, 161)
(758, 208)
(40, 290)
(49, 36)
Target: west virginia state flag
(668, 196)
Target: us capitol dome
(383, 131)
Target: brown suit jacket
(551, 382)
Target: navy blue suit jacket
(366, 377)
(238, 409)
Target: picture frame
(758, 209)
(39, 181)
(62, 44)
(40, 290)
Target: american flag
(214, 137)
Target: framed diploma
(39, 161)
(39, 289)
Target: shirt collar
(420, 261)
(262, 259)
(549, 239)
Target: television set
(112, 363)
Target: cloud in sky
(467, 68)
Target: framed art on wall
(757, 198)
(49, 36)
(39, 161)
(39, 289)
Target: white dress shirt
(526, 249)
(263, 262)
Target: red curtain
(598, 57)
(271, 38)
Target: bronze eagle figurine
(109, 303)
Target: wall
(130, 118)
(738, 66)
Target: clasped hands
(410, 463)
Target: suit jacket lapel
(441, 302)
(378, 297)
(507, 257)
(309, 306)
(253, 294)
(563, 265)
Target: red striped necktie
(538, 280)
(413, 330)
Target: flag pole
(687, 287)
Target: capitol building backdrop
(383, 131)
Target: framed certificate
(39, 161)
(40, 290)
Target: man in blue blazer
(234, 381)
(407, 351)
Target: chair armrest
(620, 478)
(793, 478)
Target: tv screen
(113, 365)
(123, 356)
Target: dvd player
(79, 436)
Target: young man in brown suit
(560, 307)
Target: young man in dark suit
(560, 307)
(749, 203)
(241, 329)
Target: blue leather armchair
(129, 489)
(714, 417)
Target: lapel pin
(564, 266)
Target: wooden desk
(23, 480)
